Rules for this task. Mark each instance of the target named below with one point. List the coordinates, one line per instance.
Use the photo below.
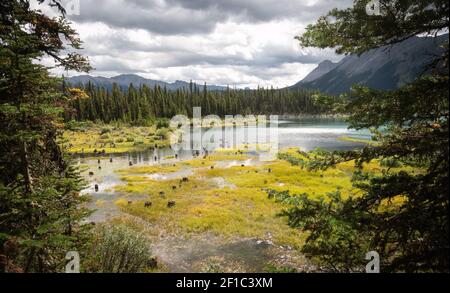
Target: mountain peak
(383, 68)
(323, 68)
(326, 63)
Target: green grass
(114, 139)
(358, 140)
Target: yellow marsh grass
(243, 211)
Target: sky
(242, 43)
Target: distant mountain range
(383, 68)
(125, 80)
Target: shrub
(390, 163)
(162, 123)
(117, 249)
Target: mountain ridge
(124, 81)
(384, 68)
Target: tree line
(141, 103)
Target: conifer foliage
(39, 190)
(139, 104)
(402, 215)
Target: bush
(130, 139)
(78, 126)
(120, 140)
(334, 241)
(162, 123)
(390, 163)
(164, 132)
(118, 249)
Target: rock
(152, 263)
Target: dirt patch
(211, 253)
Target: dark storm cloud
(153, 16)
(264, 10)
(171, 17)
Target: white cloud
(228, 49)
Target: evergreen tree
(39, 189)
(401, 215)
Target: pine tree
(402, 215)
(39, 189)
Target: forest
(144, 103)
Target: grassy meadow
(231, 201)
